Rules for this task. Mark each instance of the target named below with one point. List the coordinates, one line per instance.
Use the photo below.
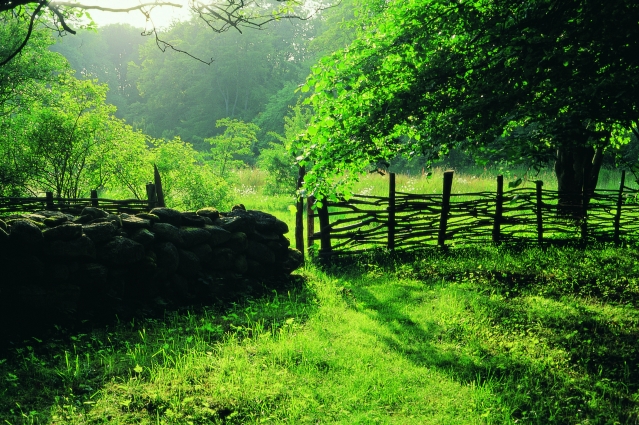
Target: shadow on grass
(69, 365)
(598, 381)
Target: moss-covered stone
(192, 236)
(210, 212)
(168, 215)
(55, 221)
(238, 242)
(25, 235)
(148, 216)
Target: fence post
(310, 221)
(151, 196)
(540, 217)
(499, 209)
(391, 212)
(325, 231)
(49, 196)
(616, 236)
(299, 214)
(94, 198)
(158, 187)
(443, 220)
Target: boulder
(25, 235)
(79, 248)
(218, 235)
(55, 221)
(260, 253)
(238, 242)
(63, 232)
(168, 232)
(100, 232)
(121, 251)
(148, 216)
(168, 257)
(143, 236)
(192, 236)
(204, 252)
(192, 219)
(189, 263)
(134, 223)
(209, 212)
(230, 224)
(223, 259)
(168, 215)
(94, 212)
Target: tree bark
(577, 169)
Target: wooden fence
(521, 215)
(154, 198)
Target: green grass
(474, 336)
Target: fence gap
(499, 209)
(299, 213)
(310, 222)
(325, 231)
(443, 220)
(391, 212)
(540, 217)
(616, 235)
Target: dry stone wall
(61, 267)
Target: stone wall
(59, 268)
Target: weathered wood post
(443, 220)
(616, 236)
(310, 221)
(325, 232)
(499, 209)
(391, 212)
(94, 198)
(299, 214)
(49, 201)
(158, 187)
(540, 217)
(151, 196)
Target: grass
(474, 336)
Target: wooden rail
(12, 205)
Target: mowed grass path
(478, 335)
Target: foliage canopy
(530, 81)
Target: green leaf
(138, 369)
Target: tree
(278, 159)
(219, 16)
(188, 183)
(236, 141)
(533, 80)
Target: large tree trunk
(577, 169)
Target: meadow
(475, 335)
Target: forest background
(95, 110)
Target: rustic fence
(154, 198)
(521, 215)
